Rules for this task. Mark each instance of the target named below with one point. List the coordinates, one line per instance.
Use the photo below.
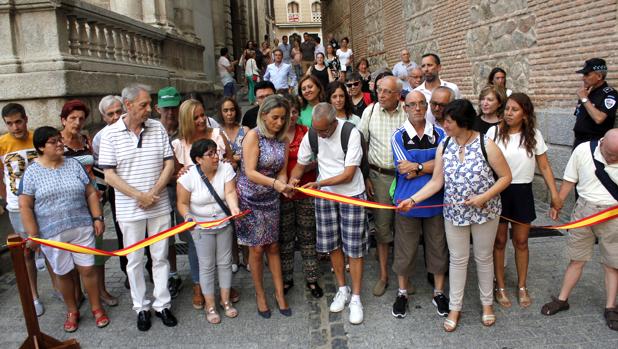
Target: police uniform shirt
(603, 98)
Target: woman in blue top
(463, 166)
(58, 202)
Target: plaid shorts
(341, 224)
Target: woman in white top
(346, 57)
(197, 202)
(252, 73)
(337, 95)
(194, 125)
(522, 145)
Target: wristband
(413, 201)
(274, 183)
(98, 218)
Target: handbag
(213, 192)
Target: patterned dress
(261, 226)
(463, 180)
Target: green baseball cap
(168, 97)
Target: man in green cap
(167, 107)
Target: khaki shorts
(383, 219)
(408, 232)
(580, 241)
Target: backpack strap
(602, 175)
(483, 149)
(313, 141)
(346, 130)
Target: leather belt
(383, 170)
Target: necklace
(463, 146)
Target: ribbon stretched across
(140, 244)
(596, 218)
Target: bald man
(593, 171)
(415, 77)
(378, 124)
(414, 149)
(401, 68)
(440, 97)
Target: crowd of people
(403, 137)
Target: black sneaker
(400, 307)
(174, 285)
(441, 302)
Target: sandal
(71, 323)
(315, 289)
(524, 298)
(229, 310)
(502, 298)
(555, 306)
(212, 316)
(100, 318)
(488, 320)
(450, 325)
(110, 302)
(611, 318)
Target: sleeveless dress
(463, 180)
(261, 226)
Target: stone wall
(539, 43)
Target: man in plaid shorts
(341, 228)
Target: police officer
(596, 108)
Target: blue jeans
(229, 89)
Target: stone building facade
(539, 43)
(55, 50)
(298, 17)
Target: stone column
(184, 18)
(131, 9)
(218, 24)
(159, 13)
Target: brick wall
(539, 43)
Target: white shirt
(202, 204)
(429, 115)
(344, 58)
(182, 149)
(226, 76)
(522, 165)
(580, 169)
(332, 161)
(400, 69)
(281, 75)
(353, 118)
(251, 68)
(319, 48)
(286, 50)
(138, 160)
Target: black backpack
(346, 130)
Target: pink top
(182, 149)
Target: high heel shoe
(265, 314)
(285, 312)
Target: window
(316, 12)
(293, 12)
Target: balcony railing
(293, 17)
(316, 16)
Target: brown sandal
(524, 298)
(611, 318)
(555, 306)
(502, 298)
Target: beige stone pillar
(159, 13)
(218, 24)
(184, 18)
(131, 8)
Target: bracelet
(413, 201)
(274, 183)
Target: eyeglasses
(414, 105)
(113, 112)
(54, 141)
(385, 91)
(327, 131)
(436, 104)
(352, 84)
(211, 154)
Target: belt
(383, 170)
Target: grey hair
(324, 110)
(398, 82)
(131, 92)
(108, 101)
(450, 92)
(273, 102)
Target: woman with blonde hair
(492, 100)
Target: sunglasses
(352, 84)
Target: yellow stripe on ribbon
(130, 249)
(596, 218)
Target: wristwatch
(420, 168)
(98, 218)
(584, 100)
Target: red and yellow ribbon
(130, 249)
(596, 218)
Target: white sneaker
(340, 300)
(356, 312)
(234, 268)
(38, 307)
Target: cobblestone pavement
(312, 326)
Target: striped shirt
(378, 126)
(139, 161)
